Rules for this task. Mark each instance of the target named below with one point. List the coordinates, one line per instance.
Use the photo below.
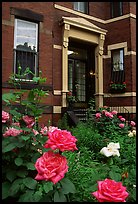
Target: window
(116, 9)
(25, 47)
(81, 6)
(117, 65)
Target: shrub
(33, 167)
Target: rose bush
(110, 191)
(32, 172)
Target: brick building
(81, 47)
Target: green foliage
(20, 152)
(63, 122)
(90, 166)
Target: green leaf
(47, 186)
(5, 189)
(11, 175)
(115, 176)
(15, 113)
(26, 197)
(37, 196)
(15, 187)
(25, 138)
(8, 97)
(18, 161)
(9, 147)
(67, 186)
(30, 166)
(22, 173)
(59, 197)
(30, 182)
(36, 79)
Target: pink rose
(122, 119)
(110, 191)
(108, 114)
(29, 120)
(132, 123)
(121, 125)
(62, 140)
(44, 131)
(51, 167)
(11, 132)
(35, 132)
(114, 112)
(5, 116)
(98, 115)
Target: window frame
(15, 44)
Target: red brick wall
(50, 59)
(118, 31)
(132, 7)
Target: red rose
(62, 140)
(110, 191)
(51, 167)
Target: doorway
(81, 72)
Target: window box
(117, 90)
(117, 87)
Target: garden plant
(92, 162)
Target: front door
(77, 78)
(81, 78)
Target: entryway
(81, 71)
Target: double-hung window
(118, 74)
(116, 9)
(26, 47)
(81, 6)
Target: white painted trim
(57, 109)
(57, 92)
(127, 94)
(78, 13)
(118, 46)
(120, 18)
(59, 47)
(130, 15)
(131, 53)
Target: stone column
(99, 72)
(66, 29)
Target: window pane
(81, 6)
(116, 9)
(117, 60)
(26, 33)
(117, 74)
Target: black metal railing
(26, 58)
